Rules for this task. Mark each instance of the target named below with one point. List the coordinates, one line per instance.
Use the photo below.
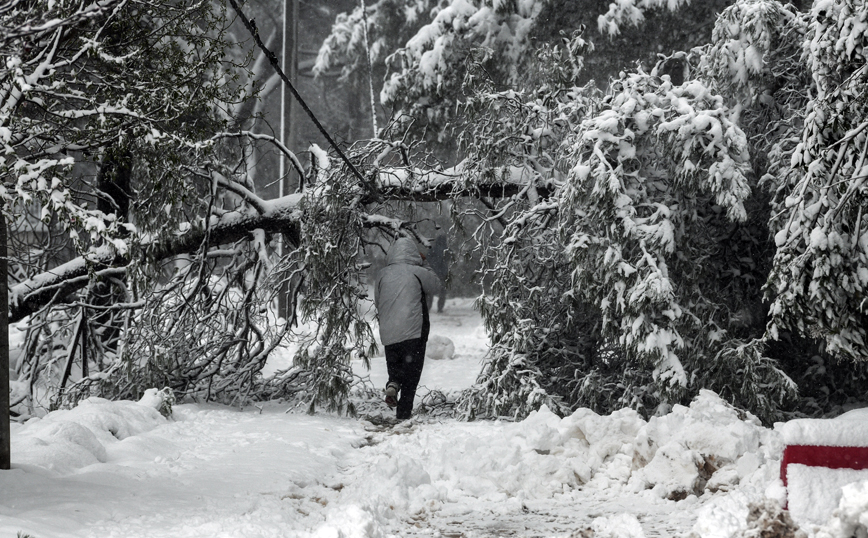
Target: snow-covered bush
(540, 335)
(655, 174)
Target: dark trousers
(441, 299)
(404, 362)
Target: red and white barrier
(820, 457)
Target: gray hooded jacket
(398, 293)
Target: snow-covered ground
(119, 469)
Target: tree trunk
(113, 183)
(5, 432)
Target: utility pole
(5, 427)
(288, 123)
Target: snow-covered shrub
(543, 339)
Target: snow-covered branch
(425, 185)
(277, 216)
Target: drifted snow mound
(439, 348)
(679, 454)
(66, 440)
(851, 516)
(709, 445)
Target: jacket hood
(403, 250)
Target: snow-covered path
(473, 479)
(217, 472)
(119, 469)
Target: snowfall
(121, 469)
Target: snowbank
(706, 467)
(708, 446)
(67, 440)
(851, 516)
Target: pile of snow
(851, 517)
(706, 469)
(708, 446)
(439, 348)
(67, 440)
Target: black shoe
(392, 394)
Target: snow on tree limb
(272, 216)
(279, 216)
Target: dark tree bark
(5, 433)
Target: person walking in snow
(400, 295)
(438, 257)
